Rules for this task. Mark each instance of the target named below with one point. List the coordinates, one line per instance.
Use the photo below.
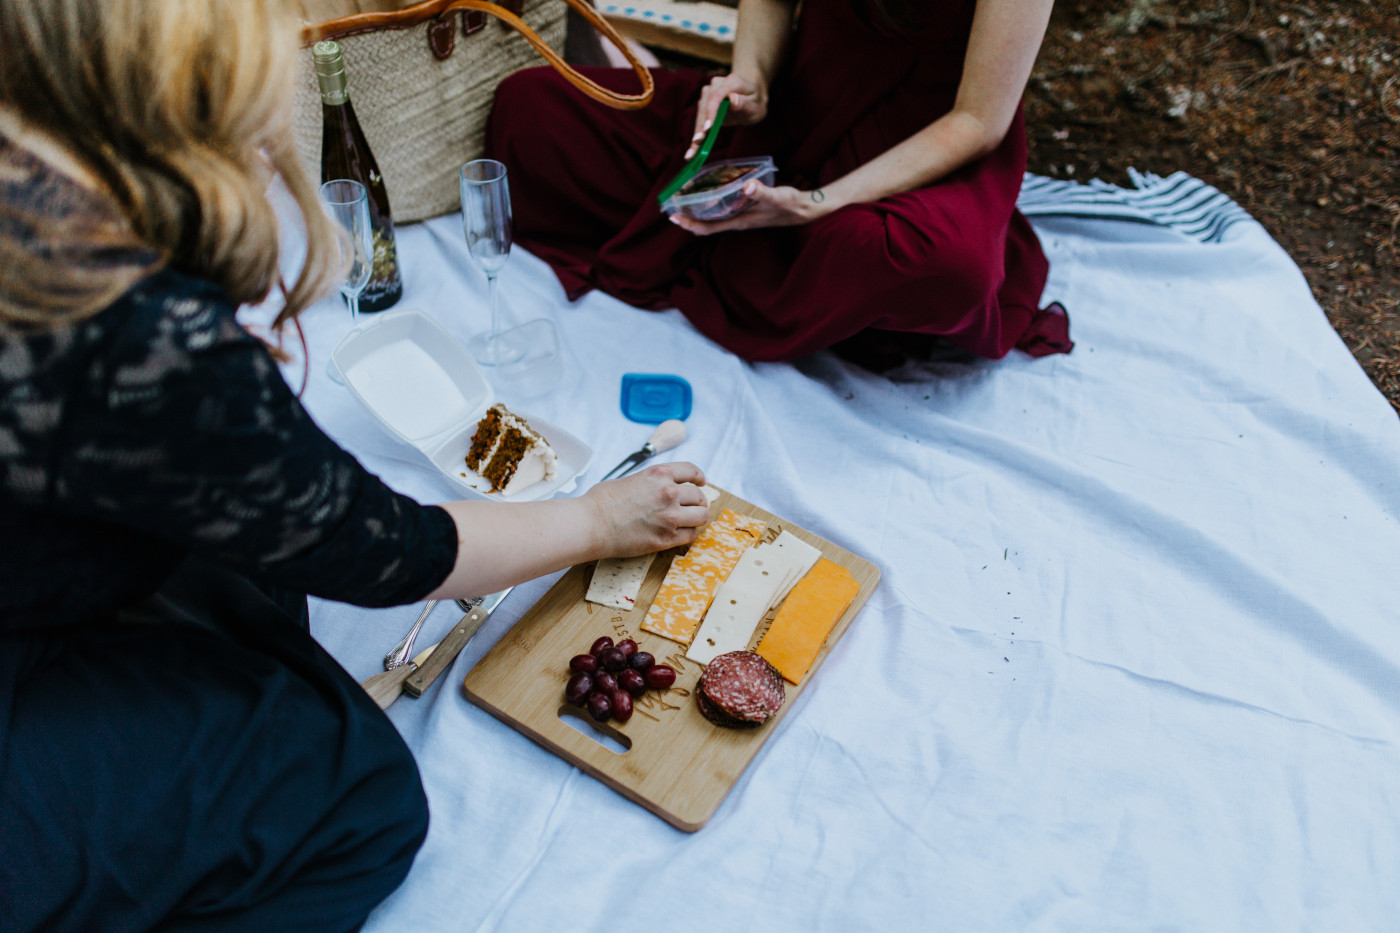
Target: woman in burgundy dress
(897, 129)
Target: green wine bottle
(346, 154)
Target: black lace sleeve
(191, 435)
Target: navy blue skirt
(198, 763)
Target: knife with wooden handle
(452, 644)
(385, 688)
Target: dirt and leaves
(1292, 109)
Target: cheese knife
(667, 435)
(453, 643)
(425, 667)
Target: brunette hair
(176, 114)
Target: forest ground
(1291, 109)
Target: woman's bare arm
(1006, 36)
(760, 41)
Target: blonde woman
(175, 750)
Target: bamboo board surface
(677, 764)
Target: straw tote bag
(423, 79)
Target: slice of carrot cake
(509, 454)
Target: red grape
(633, 682)
(610, 677)
(621, 705)
(578, 688)
(660, 676)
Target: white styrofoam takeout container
(424, 388)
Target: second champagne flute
(486, 220)
(347, 202)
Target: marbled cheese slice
(751, 589)
(806, 618)
(617, 581)
(691, 582)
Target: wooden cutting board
(676, 764)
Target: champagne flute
(347, 202)
(486, 219)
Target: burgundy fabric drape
(953, 260)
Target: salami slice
(740, 686)
(713, 714)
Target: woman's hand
(748, 104)
(658, 508)
(761, 37)
(771, 207)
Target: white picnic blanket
(1134, 662)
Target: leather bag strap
(360, 23)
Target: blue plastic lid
(650, 398)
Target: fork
(401, 652)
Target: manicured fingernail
(674, 219)
(698, 135)
(690, 152)
(750, 188)
(707, 123)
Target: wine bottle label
(385, 285)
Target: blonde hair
(180, 111)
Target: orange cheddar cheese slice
(693, 577)
(806, 618)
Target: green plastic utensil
(692, 168)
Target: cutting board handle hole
(614, 741)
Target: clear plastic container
(717, 193)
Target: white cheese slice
(739, 604)
(617, 581)
(799, 558)
(753, 587)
